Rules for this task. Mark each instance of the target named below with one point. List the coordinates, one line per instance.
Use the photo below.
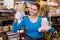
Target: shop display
(6, 28)
(54, 1)
(4, 7)
(1, 29)
(9, 3)
(10, 27)
(3, 19)
(52, 11)
(0, 6)
(5, 14)
(13, 39)
(58, 12)
(17, 7)
(14, 36)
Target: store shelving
(6, 15)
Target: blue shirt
(31, 28)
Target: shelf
(55, 16)
(6, 18)
(55, 24)
(52, 4)
(6, 11)
(1, 2)
(6, 15)
(55, 21)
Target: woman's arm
(16, 26)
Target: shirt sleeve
(17, 26)
(52, 30)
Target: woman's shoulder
(25, 17)
(40, 16)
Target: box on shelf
(6, 28)
(0, 7)
(13, 39)
(14, 36)
(6, 14)
(58, 12)
(54, 1)
(11, 27)
(11, 33)
(3, 18)
(11, 18)
(52, 11)
(1, 29)
(4, 7)
(17, 7)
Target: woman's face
(33, 10)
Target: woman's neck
(33, 19)
(33, 16)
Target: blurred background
(49, 8)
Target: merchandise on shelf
(6, 28)
(14, 36)
(1, 29)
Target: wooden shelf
(55, 24)
(52, 4)
(9, 11)
(55, 21)
(6, 15)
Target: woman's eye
(34, 9)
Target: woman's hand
(16, 20)
(44, 29)
(47, 28)
(41, 29)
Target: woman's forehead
(33, 6)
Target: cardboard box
(0, 7)
(6, 14)
(6, 28)
(54, 1)
(12, 36)
(4, 7)
(1, 29)
(11, 27)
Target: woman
(31, 23)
